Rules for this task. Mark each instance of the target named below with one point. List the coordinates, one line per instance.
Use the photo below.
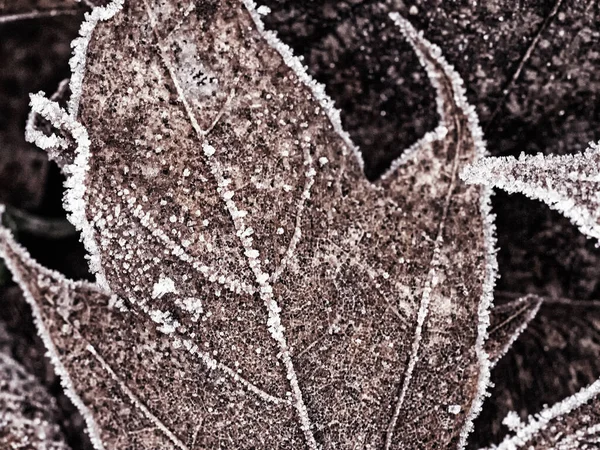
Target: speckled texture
(225, 208)
(27, 411)
(539, 250)
(19, 339)
(507, 322)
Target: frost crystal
(568, 183)
(566, 425)
(512, 421)
(454, 409)
(164, 285)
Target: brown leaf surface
(272, 293)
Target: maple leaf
(567, 183)
(263, 286)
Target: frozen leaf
(556, 356)
(507, 321)
(572, 424)
(27, 411)
(296, 304)
(567, 183)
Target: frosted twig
(530, 49)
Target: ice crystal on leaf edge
(567, 183)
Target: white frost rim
(61, 371)
(489, 228)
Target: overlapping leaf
(507, 321)
(271, 296)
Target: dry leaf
(271, 296)
(507, 322)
